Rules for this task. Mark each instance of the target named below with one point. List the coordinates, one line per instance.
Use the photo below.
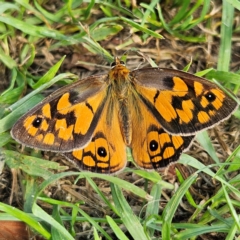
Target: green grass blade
(32, 31)
(234, 3)
(56, 215)
(49, 74)
(231, 207)
(226, 36)
(206, 143)
(25, 217)
(7, 60)
(141, 28)
(34, 166)
(97, 190)
(86, 217)
(39, 212)
(171, 207)
(150, 9)
(116, 229)
(153, 206)
(126, 214)
(121, 183)
(181, 13)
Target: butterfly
(156, 112)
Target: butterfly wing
(66, 119)
(106, 153)
(183, 103)
(152, 147)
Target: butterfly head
(116, 62)
(119, 70)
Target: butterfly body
(156, 112)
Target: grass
(37, 42)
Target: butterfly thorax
(119, 82)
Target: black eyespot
(37, 122)
(153, 145)
(122, 62)
(210, 96)
(102, 152)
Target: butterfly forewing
(65, 120)
(183, 103)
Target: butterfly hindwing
(152, 147)
(65, 120)
(106, 153)
(183, 103)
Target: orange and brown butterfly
(154, 111)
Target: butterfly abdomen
(125, 122)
